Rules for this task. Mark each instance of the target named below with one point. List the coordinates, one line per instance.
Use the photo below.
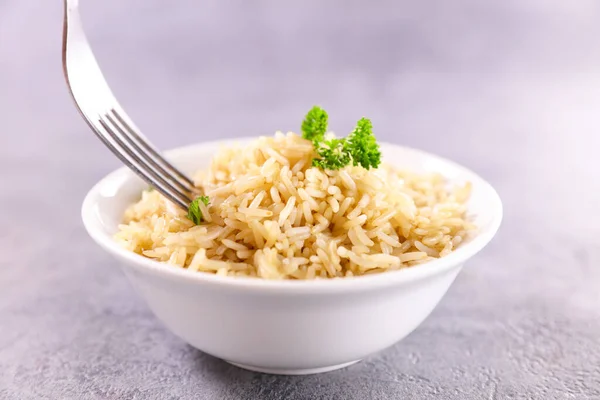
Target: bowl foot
(307, 371)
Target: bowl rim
(332, 285)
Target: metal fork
(106, 117)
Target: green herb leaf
(332, 155)
(194, 212)
(359, 148)
(314, 125)
(362, 145)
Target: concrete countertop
(510, 89)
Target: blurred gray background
(509, 88)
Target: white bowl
(289, 327)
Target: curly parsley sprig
(359, 148)
(332, 153)
(194, 212)
(362, 145)
(314, 125)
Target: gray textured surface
(508, 88)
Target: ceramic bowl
(289, 327)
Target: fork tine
(129, 158)
(136, 139)
(124, 134)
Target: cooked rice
(273, 216)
